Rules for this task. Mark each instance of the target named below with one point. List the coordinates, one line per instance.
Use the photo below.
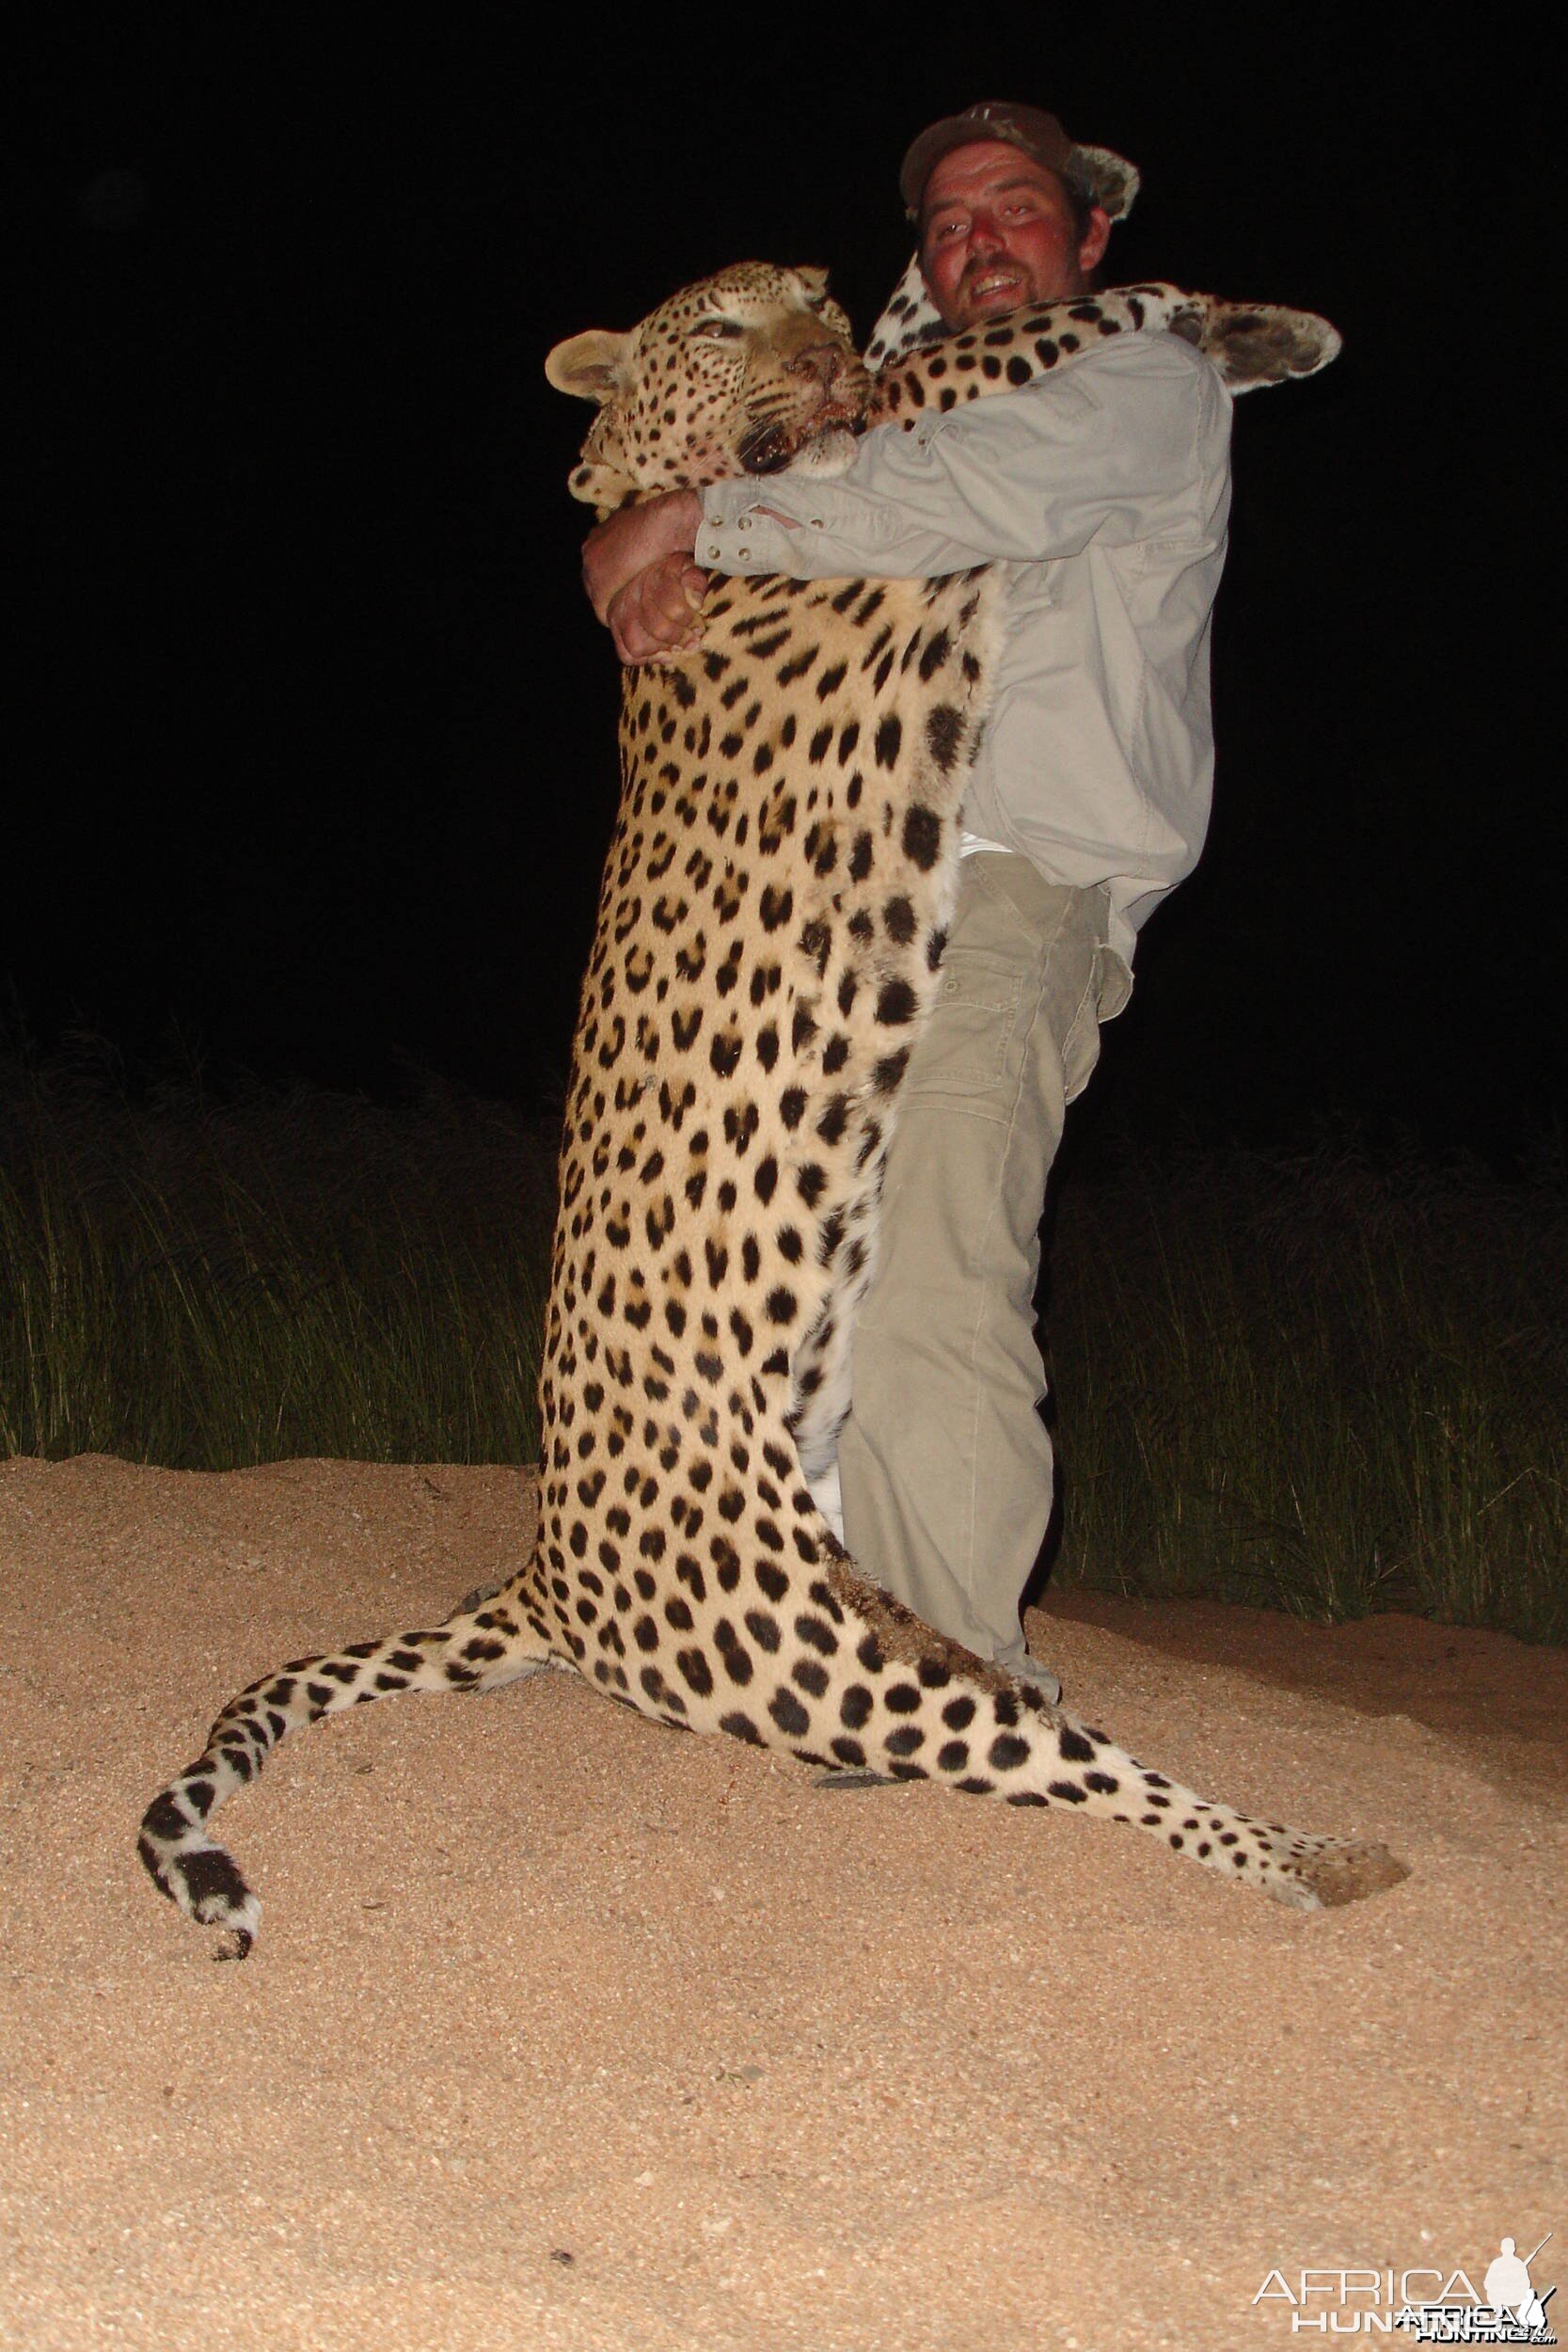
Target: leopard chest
(775, 901)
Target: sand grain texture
(566, 2031)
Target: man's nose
(985, 237)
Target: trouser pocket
(974, 1019)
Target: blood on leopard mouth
(769, 447)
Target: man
(1104, 491)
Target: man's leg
(944, 1462)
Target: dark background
(311, 757)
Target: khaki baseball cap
(1105, 179)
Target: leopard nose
(819, 359)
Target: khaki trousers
(944, 1463)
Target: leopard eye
(717, 331)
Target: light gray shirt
(1103, 492)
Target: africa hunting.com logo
(1423, 2305)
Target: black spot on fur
(763, 1630)
(726, 1563)
(818, 1635)
(898, 920)
(789, 1714)
(213, 1882)
(736, 1657)
(945, 735)
(933, 653)
(164, 1819)
(921, 836)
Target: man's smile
(991, 277)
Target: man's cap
(1107, 179)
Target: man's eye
(717, 330)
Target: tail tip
(208, 1885)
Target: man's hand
(654, 614)
(641, 578)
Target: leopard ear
(588, 365)
(1112, 179)
(909, 319)
(813, 279)
(1259, 342)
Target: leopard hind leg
(925, 1708)
(1073, 1764)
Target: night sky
(312, 760)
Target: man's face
(996, 230)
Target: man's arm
(1107, 451)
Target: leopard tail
(478, 1649)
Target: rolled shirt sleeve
(1105, 452)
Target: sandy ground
(564, 2030)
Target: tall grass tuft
(1326, 1382)
(209, 1284)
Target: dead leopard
(781, 874)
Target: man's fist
(641, 578)
(656, 613)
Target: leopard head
(745, 372)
